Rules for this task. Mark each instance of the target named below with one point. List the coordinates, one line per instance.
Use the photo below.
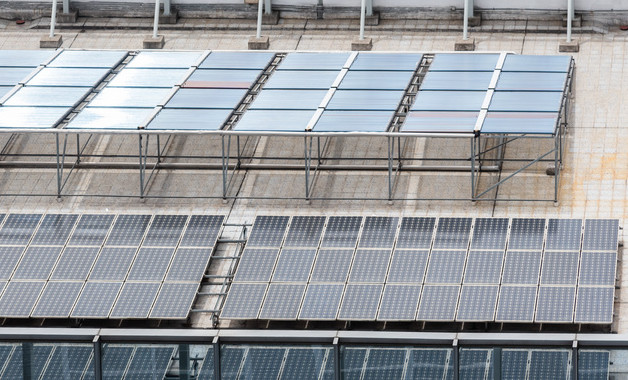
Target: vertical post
(369, 7)
(362, 19)
(225, 168)
(471, 6)
(497, 363)
(268, 9)
(184, 362)
(66, 6)
(216, 351)
(574, 360)
(336, 359)
(465, 22)
(456, 359)
(166, 7)
(259, 19)
(472, 168)
(391, 149)
(156, 19)
(27, 362)
(53, 18)
(569, 18)
(97, 358)
(307, 155)
(59, 173)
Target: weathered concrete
(53, 42)
(154, 43)
(262, 43)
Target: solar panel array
(426, 269)
(103, 265)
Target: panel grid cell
(438, 303)
(600, 235)
(54, 229)
(399, 302)
(516, 304)
(135, 300)
(360, 302)
(378, 232)
(19, 298)
(595, 305)
(477, 303)
(415, 233)
(321, 302)
(189, 265)
(332, 265)
(243, 301)
(256, 265)
(370, 266)
(526, 234)
(75, 263)
(294, 265)
(96, 300)
(268, 231)
(452, 233)
(150, 264)
(112, 264)
(37, 263)
(560, 268)
(598, 268)
(18, 228)
(341, 232)
(9, 257)
(128, 230)
(445, 267)
(484, 267)
(305, 231)
(407, 266)
(57, 300)
(563, 235)
(91, 229)
(489, 233)
(174, 301)
(555, 304)
(202, 231)
(522, 268)
(282, 301)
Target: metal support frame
(53, 18)
(155, 19)
(258, 34)
(570, 17)
(66, 6)
(362, 18)
(167, 7)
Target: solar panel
(477, 303)
(282, 301)
(39, 356)
(305, 231)
(231, 360)
(555, 304)
(399, 302)
(9, 257)
(470, 101)
(207, 369)
(37, 263)
(5, 352)
(384, 80)
(294, 79)
(341, 232)
(353, 121)
(304, 363)
(135, 300)
(294, 265)
(18, 228)
(489, 233)
(151, 264)
(189, 265)
(153, 78)
(440, 122)
(540, 123)
(91, 229)
(537, 63)
(19, 298)
(128, 230)
(288, 99)
(386, 61)
(54, 229)
(407, 266)
(522, 268)
(385, 364)
(268, 231)
(24, 58)
(321, 301)
(243, 301)
(332, 265)
(32, 117)
(428, 363)
(12, 76)
(262, 363)
(595, 305)
(370, 265)
(546, 364)
(2, 285)
(360, 302)
(464, 62)
(109, 118)
(112, 264)
(438, 303)
(272, 120)
(445, 267)
(474, 363)
(600, 235)
(256, 264)
(68, 362)
(125, 97)
(57, 300)
(560, 268)
(512, 81)
(598, 268)
(365, 100)
(174, 301)
(506, 101)
(452, 233)
(242, 79)
(526, 234)
(88, 58)
(96, 300)
(563, 234)
(150, 362)
(378, 232)
(313, 61)
(514, 364)
(461, 81)
(47, 97)
(352, 362)
(227, 98)
(170, 59)
(416, 232)
(5, 90)
(484, 267)
(115, 360)
(516, 304)
(71, 77)
(593, 365)
(237, 60)
(202, 231)
(75, 263)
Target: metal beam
(362, 18)
(155, 20)
(570, 14)
(268, 7)
(369, 7)
(259, 19)
(53, 18)
(465, 22)
(167, 7)
(66, 6)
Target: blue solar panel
(10, 76)
(68, 77)
(464, 62)
(520, 122)
(383, 80)
(24, 58)
(227, 98)
(353, 121)
(531, 82)
(109, 118)
(31, 117)
(237, 60)
(189, 119)
(507, 101)
(386, 61)
(449, 101)
(5, 90)
(461, 81)
(47, 96)
(88, 58)
(272, 120)
(165, 59)
(130, 97)
(148, 78)
(314, 61)
(18, 228)
(539, 63)
(222, 78)
(440, 122)
(294, 79)
(359, 100)
(288, 99)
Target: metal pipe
(569, 18)
(259, 19)
(268, 9)
(66, 6)
(362, 19)
(465, 27)
(53, 18)
(166, 7)
(156, 20)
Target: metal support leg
(166, 7)
(307, 154)
(391, 149)
(465, 22)
(556, 169)
(471, 6)
(78, 149)
(472, 168)
(497, 363)
(184, 362)
(143, 147)
(268, 7)
(362, 18)
(238, 147)
(216, 352)
(259, 19)
(158, 150)
(225, 165)
(336, 353)
(60, 163)
(53, 18)
(97, 358)
(66, 6)
(155, 19)
(27, 360)
(456, 360)
(570, 14)
(369, 8)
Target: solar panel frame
(68, 77)
(453, 233)
(456, 81)
(360, 302)
(174, 301)
(19, 228)
(96, 300)
(268, 231)
(109, 118)
(275, 120)
(113, 264)
(445, 267)
(243, 301)
(54, 229)
(57, 299)
(75, 263)
(441, 101)
(408, 266)
(314, 61)
(594, 305)
(440, 122)
(521, 268)
(135, 300)
(115, 360)
(385, 363)
(555, 304)
(224, 78)
(25, 58)
(165, 59)
(416, 232)
(516, 304)
(515, 363)
(378, 232)
(484, 267)
(531, 81)
(526, 234)
(202, 231)
(365, 100)
(294, 265)
(151, 264)
(600, 235)
(294, 79)
(551, 364)
(464, 62)
(130, 97)
(148, 78)
(68, 361)
(370, 266)
(490, 233)
(598, 268)
(477, 303)
(188, 265)
(399, 302)
(321, 302)
(352, 362)
(35, 96)
(376, 61)
(91, 229)
(288, 99)
(9, 258)
(37, 263)
(593, 364)
(474, 363)
(537, 63)
(262, 363)
(207, 98)
(305, 231)
(342, 232)
(89, 58)
(438, 303)
(332, 265)
(560, 268)
(428, 363)
(304, 363)
(563, 235)
(353, 121)
(256, 265)
(19, 298)
(150, 361)
(282, 301)
(237, 60)
(384, 80)
(128, 230)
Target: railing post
(156, 19)
(53, 18)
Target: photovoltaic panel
(37, 263)
(125, 97)
(328, 371)
(598, 268)
(516, 304)
(437, 122)
(109, 118)
(150, 362)
(68, 362)
(262, 363)
(91, 229)
(399, 302)
(489, 233)
(386, 61)
(9, 257)
(332, 265)
(555, 304)
(282, 301)
(514, 364)
(237, 60)
(507, 101)
(96, 300)
(370, 265)
(189, 265)
(537, 63)
(57, 300)
(304, 363)
(88, 58)
(464, 62)
(549, 364)
(474, 363)
(365, 100)
(163, 59)
(3, 284)
(438, 303)
(384, 80)
(484, 267)
(5, 90)
(174, 301)
(445, 267)
(153, 78)
(407, 266)
(526, 234)
(321, 302)
(416, 232)
(522, 268)
(231, 360)
(352, 362)
(428, 363)
(314, 61)
(222, 79)
(593, 365)
(32, 96)
(268, 231)
(288, 99)
(128, 230)
(452, 233)
(207, 369)
(202, 231)
(540, 123)
(14, 75)
(227, 98)
(470, 101)
(32, 117)
(112, 264)
(165, 231)
(600, 235)
(353, 121)
(385, 364)
(460, 81)
(243, 301)
(18, 228)
(560, 268)
(54, 229)
(150, 264)
(71, 77)
(294, 265)
(563, 234)
(518, 81)
(294, 79)
(135, 300)
(378, 232)
(39, 357)
(477, 303)
(595, 305)
(341, 232)
(256, 264)
(305, 231)
(24, 58)
(19, 298)
(273, 120)
(360, 302)
(115, 360)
